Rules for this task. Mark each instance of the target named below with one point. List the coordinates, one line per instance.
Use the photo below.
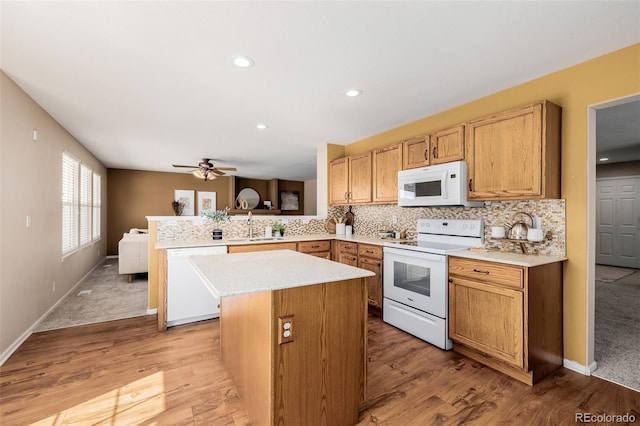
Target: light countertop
(208, 241)
(254, 272)
(518, 259)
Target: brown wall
(134, 194)
(628, 168)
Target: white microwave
(439, 185)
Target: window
(97, 206)
(81, 204)
(69, 203)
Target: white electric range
(415, 276)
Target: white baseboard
(24, 336)
(579, 368)
(152, 311)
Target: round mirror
(251, 197)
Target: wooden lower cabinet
(243, 248)
(507, 317)
(319, 248)
(369, 257)
(347, 253)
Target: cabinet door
(339, 181)
(415, 152)
(387, 162)
(447, 145)
(505, 155)
(488, 319)
(360, 178)
(374, 284)
(348, 258)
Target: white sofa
(133, 253)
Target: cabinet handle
(450, 280)
(481, 272)
(346, 195)
(426, 154)
(435, 152)
(470, 185)
(315, 246)
(369, 251)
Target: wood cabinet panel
(348, 247)
(339, 181)
(415, 152)
(487, 318)
(360, 178)
(387, 162)
(314, 246)
(262, 247)
(515, 154)
(370, 250)
(374, 284)
(495, 273)
(447, 145)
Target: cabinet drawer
(314, 246)
(370, 250)
(347, 247)
(489, 272)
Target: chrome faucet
(250, 222)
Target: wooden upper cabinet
(447, 145)
(360, 178)
(339, 181)
(415, 152)
(515, 155)
(387, 162)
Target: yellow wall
(608, 77)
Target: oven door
(416, 279)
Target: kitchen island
(292, 334)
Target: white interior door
(618, 220)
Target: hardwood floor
(126, 372)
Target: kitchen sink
(235, 240)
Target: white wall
(30, 185)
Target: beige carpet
(103, 296)
(617, 327)
(609, 274)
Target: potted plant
(218, 216)
(278, 228)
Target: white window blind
(70, 168)
(85, 204)
(97, 205)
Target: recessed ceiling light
(353, 93)
(261, 126)
(243, 61)
(604, 159)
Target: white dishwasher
(188, 299)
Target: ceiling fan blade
(230, 169)
(217, 172)
(190, 167)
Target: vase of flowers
(217, 216)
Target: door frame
(591, 221)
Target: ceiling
(144, 85)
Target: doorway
(613, 239)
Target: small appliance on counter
(415, 277)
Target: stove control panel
(455, 227)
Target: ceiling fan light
(198, 173)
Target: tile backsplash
(370, 219)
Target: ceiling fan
(205, 170)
